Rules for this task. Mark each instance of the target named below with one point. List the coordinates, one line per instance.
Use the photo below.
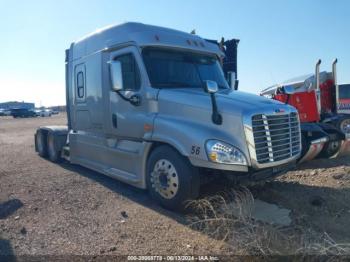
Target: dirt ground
(48, 208)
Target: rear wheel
(171, 179)
(41, 143)
(53, 153)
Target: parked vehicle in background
(343, 104)
(324, 111)
(23, 112)
(5, 112)
(55, 112)
(150, 106)
(45, 112)
(37, 111)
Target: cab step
(66, 153)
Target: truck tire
(343, 124)
(53, 153)
(171, 179)
(41, 143)
(330, 149)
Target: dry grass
(227, 217)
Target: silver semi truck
(150, 106)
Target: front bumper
(245, 171)
(268, 173)
(255, 175)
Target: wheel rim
(164, 179)
(40, 142)
(345, 126)
(334, 146)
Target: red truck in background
(324, 111)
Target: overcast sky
(279, 39)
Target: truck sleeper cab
(150, 106)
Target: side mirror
(116, 75)
(289, 90)
(210, 87)
(232, 80)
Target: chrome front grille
(276, 137)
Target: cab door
(81, 117)
(130, 110)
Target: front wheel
(330, 149)
(171, 179)
(344, 124)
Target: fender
(333, 132)
(189, 137)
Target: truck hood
(228, 101)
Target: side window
(80, 85)
(130, 72)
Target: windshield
(169, 68)
(344, 91)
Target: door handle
(114, 121)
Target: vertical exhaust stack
(334, 71)
(317, 74)
(318, 92)
(335, 82)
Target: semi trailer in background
(150, 106)
(343, 102)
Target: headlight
(221, 152)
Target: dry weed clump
(227, 216)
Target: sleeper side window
(80, 85)
(130, 72)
